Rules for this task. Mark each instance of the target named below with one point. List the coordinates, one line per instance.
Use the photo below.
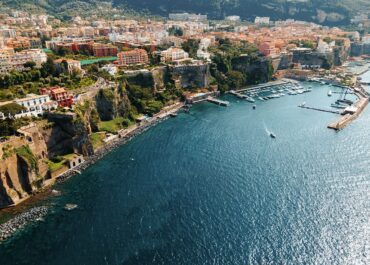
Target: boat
(70, 206)
(272, 135)
(260, 98)
(329, 93)
(254, 106)
(337, 106)
(173, 115)
(249, 99)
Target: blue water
(213, 188)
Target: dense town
(69, 89)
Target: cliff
(23, 165)
(257, 69)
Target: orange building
(104, 50)
(137, 56)
(58, 94)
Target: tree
(30, 65)
(11, 109)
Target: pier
(239, 95)
(267, 85)
(318, 109)
(218, 102)
(348, 118)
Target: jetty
(347, 118)
(319, 109)
(218, 102)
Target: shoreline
(34, 214)
(123, 138)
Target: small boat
(338, 106)
(249, 99)
(70, 206)
(272, 135)
(329, 93)
(173, 115)
(254, 106)
(260, 98)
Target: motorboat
(330, 93)
(272, 135)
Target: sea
(212, 187)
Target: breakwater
(9, 228)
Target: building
(104, 50)
(262, 20)
(60, 95)
(268, 48)
(35, 106)
(68, 65)
(173, 54)
(10, 60)
(137, 56)
(233, 18)
(187, 17)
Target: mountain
(329, 12)
(321, 11)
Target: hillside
(322, 11)
(330, 12)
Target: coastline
(124, 136)
(34, 214)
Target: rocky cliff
(257, 69)
(23, 165)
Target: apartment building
(137, 56)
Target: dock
(267, 85)
(318, 109)
(348, 118)
(239, 95)
(218, 102)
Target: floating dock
(218, 102)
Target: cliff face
(68, 134)
(192, 75)
(255, 68)
(23, 166)
(112, 103)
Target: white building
(10, 60)
(233, 18)
(323, 47)
(262, 20)
(35, 106)
(110, 68)
(187, 17)
(173, 54)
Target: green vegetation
(191, 46)
(233, 63)
(10, 126)
(8, 151)
(97, 139)
(55, 165)
(26, 153)
(114, 125)
(17, 84)
(11, 109)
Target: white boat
(330, 93)
(249, 99)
